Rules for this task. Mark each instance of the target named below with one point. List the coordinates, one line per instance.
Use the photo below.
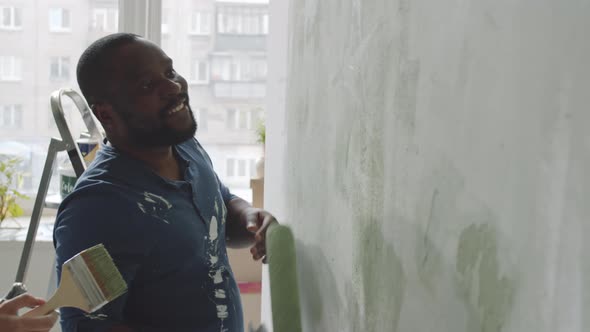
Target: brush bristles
(97, 276)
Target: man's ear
(104, 112)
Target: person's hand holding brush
(10, 321)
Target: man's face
(150, 97)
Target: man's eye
(146, 85)
(171, 73)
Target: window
(218, 47)
(253, 69)
(265, 24)
(242, 20)
(165, 21)
(225, 69)
(11, 117)
(25, 118)
(241, 120)
(59, 20)
(239, 69)
(202, 115)
(25, 108)
(11, 18)
(200, 72)
(231, 118)
(105, 19)
(59, 69)
(10, 68)
(252, 168)
(240, 168)
(200, 23)
(228, 21)
(230, 166)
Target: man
(152, 198)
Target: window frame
(104, 26)
(148, 25)
(196, 23)
(249, 167)
(16, 66)
(242, 21)
(202, 118)
(61, 28)
(13, 109)
(239, 114)
(13, 10)
(60, 68)
(194, 77)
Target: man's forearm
(237, 235)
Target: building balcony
(238, 89)
(225, 42)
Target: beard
(146, 135)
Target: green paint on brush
(284, 291)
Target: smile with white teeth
(177, 108)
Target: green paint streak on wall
(489, 296)
(383, 280)
(429, 262)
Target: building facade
(218, 46)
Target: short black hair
(95, 65)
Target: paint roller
(284, 290)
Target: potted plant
(260, 138)
(10, 180)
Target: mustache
(174, 102)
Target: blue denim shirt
(166, 237)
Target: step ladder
(65, 143)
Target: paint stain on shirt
(213, 229)
(155, 206)
(215, 272)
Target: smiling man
(152, 198)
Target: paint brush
(89, 280)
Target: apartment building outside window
(59, 20)
(254, 69)
(51, 60)
(240, 119)
(200, 23)
(10, 68)
(11, 116)
(202, 117)
(105, 19)
(45, 29)
(59, 68)
(200, 72)
(11, 18)
(165, 19)
(239, 69)
(248, 21)
(237, 168)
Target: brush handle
(42, 310)
(66, 295)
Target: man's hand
(257, 222)
(247, 226)
(11, 321)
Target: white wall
(432, 159)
